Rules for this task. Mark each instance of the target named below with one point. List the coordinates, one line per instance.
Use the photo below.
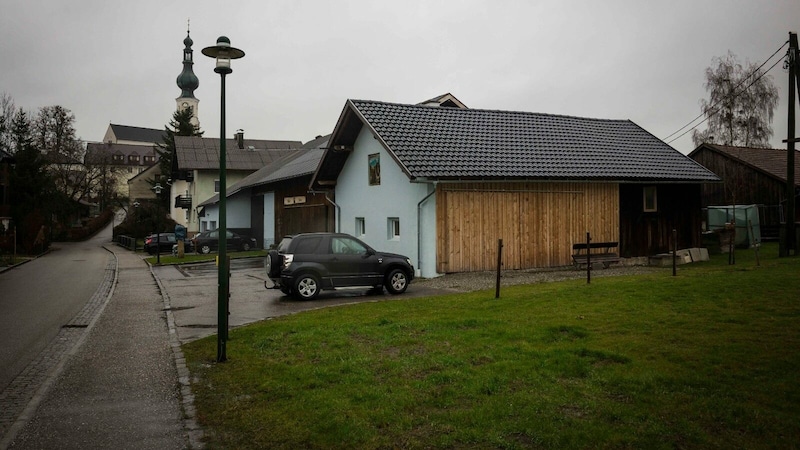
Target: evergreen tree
(34, 195)
(180, 125)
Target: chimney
(239, 136)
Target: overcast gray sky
(115, 61)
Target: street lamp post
(224, 53)
(157, 189)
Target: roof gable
(137, 134)
(771, 161)
(439, 143)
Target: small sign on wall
(298, 200)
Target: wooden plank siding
(649, 233)
(538, 223)
(314, 214)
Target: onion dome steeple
(187, 80)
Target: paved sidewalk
(121, 387)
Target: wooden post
(788, 244)
(756, 244)
(674, 252)
(499, 264)
(588, 259)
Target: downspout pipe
(338, 209)
(419, 226)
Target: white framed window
(212, 225)
(393, 228)
(204, 226)
(361, 227)
(650, 199)
(216, 186)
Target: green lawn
(168, 259)
(707, 359)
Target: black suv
(304, 264)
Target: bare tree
(7, 112)
(740, 106)
(54, 136)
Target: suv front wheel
(306, 287)
(396, 281)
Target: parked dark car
(188, 247)
(208, 241)
(163, 243)
(304, 264)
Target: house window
(149, 159)
(118, 158)
(374, 165)
(213, 225)
(361, 227)
(394, 228)
(133, 159)
(204, 226)
(650, 199)
(216, 186)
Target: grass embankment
(707, 359)
(168, 259)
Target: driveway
(192, 290)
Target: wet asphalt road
(193, 294)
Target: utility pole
(789, 244)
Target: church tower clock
(188, 82)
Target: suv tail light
(287, 261)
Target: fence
(126, 241)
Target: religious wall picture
(374, 169)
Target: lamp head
(224, 53)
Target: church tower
(188, 82)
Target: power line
(732, 93)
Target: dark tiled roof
(295, 164)
(769, 160)
(125, 150)
(317, 142)
(454, 143)
(203, 153)
(138, 134)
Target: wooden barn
(275, 201)
(451, 181)
(750, 176)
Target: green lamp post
(224, 53)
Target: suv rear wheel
(396, 281)
(306, 287)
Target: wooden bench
(601, 252)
